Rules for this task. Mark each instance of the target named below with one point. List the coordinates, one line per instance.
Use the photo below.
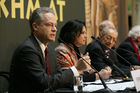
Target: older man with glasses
(101, 50)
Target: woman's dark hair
(70, 30)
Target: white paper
(113, 87)
(136, 78)
(109, 81)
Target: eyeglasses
(108, 37)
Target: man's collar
(42, 46)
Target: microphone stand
(107, 90)
(116, 54)
(128, 51)
(109, 62)
(131, 66)
(125, 59)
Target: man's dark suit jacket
(127, 51)
(97, 55)
(28, 70)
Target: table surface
(90, 86)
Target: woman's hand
(81, 65)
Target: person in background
(34, 67)
(101, 51)
(102, 25)
(129, 49)
(101, 47)
(73, 34)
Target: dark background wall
(14, 30)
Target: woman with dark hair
(74, 34)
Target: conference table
(115, 85)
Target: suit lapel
(43, 62)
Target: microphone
(93, 37)
(124, 58)
(128, 51)
(109, 62)
(137, 41)
(117, 54)
(104, 84)
(125, 77)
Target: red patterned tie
(47, 61)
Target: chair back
(4, 81)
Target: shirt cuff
(74, 70)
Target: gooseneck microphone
(104, 84)
(117, 54)
(128, 51)
(132, 67)
(125, 59)
(109, 62)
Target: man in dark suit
(101, 50)
(97, 42)
(30, 72)
(100, 47)
(129, 49)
